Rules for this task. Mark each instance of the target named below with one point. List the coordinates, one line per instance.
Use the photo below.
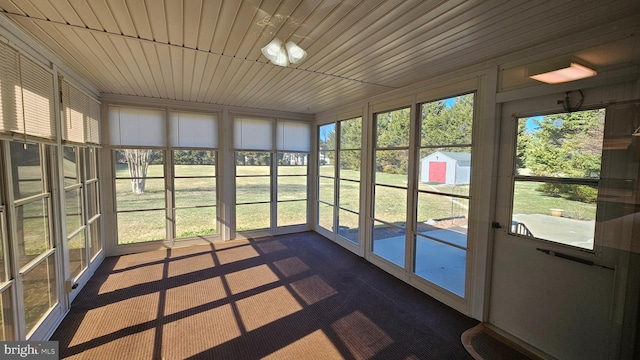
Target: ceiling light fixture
(282, 55)
(559, 72)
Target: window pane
(325, 216)
(92, 198)
(351, 134)
(77, 254)
(327, 163)
(6, 317)
(73, 201)
(292, 213)
(292, 188)
(139, 164)
(326, 190)
(253, 163)
(327, 137)
(39, 285)
(448, 121)
(27, 170)
(350, 161)
(349, 195)
(140, 194)
(195, 222)
(194, 192)
(292, 163)
(446, 170)
(348, 225)
(253, 189)
(563, 213)
(69, 165)
(441, 264)
(390, 205)
(389, 242)
(33, 230)
(392, 167)
(393, 128)
(3, 263)
(141, 226)
(194, 163)
(91, 165)
(94, 235)
(565, 145)
(253, 216)
(442, 212)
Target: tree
(567, 145)
(138, 161)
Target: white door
(558, 270)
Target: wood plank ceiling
(209, 50)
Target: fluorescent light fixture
(559, 72)
(276, 53)
(296, 53)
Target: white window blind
(37, 100)
(76, 108)
(10, 98)
(293, 136)
(92, 123)
(193, 130)
(253, 134)
(136, 126)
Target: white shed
(452, 168)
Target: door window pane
(40, 293)
(325, 216)
(77, 254)
(73, 202)
(441, 264)
(389, 242)
(348, 225)
(6, 317)
(556, 177)
(32, 230)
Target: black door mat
(483, 343)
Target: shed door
(437, 171)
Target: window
(556, 177)
(140, 195)
(75, 221)
(444, 179)
(326, 175)
(391, 168)
(350, 159)
(194, 139)
(343, 149)
(292, 144)
(91, 186)
(194, 186)
(33, 239)
(6, 288)
(253, 190)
